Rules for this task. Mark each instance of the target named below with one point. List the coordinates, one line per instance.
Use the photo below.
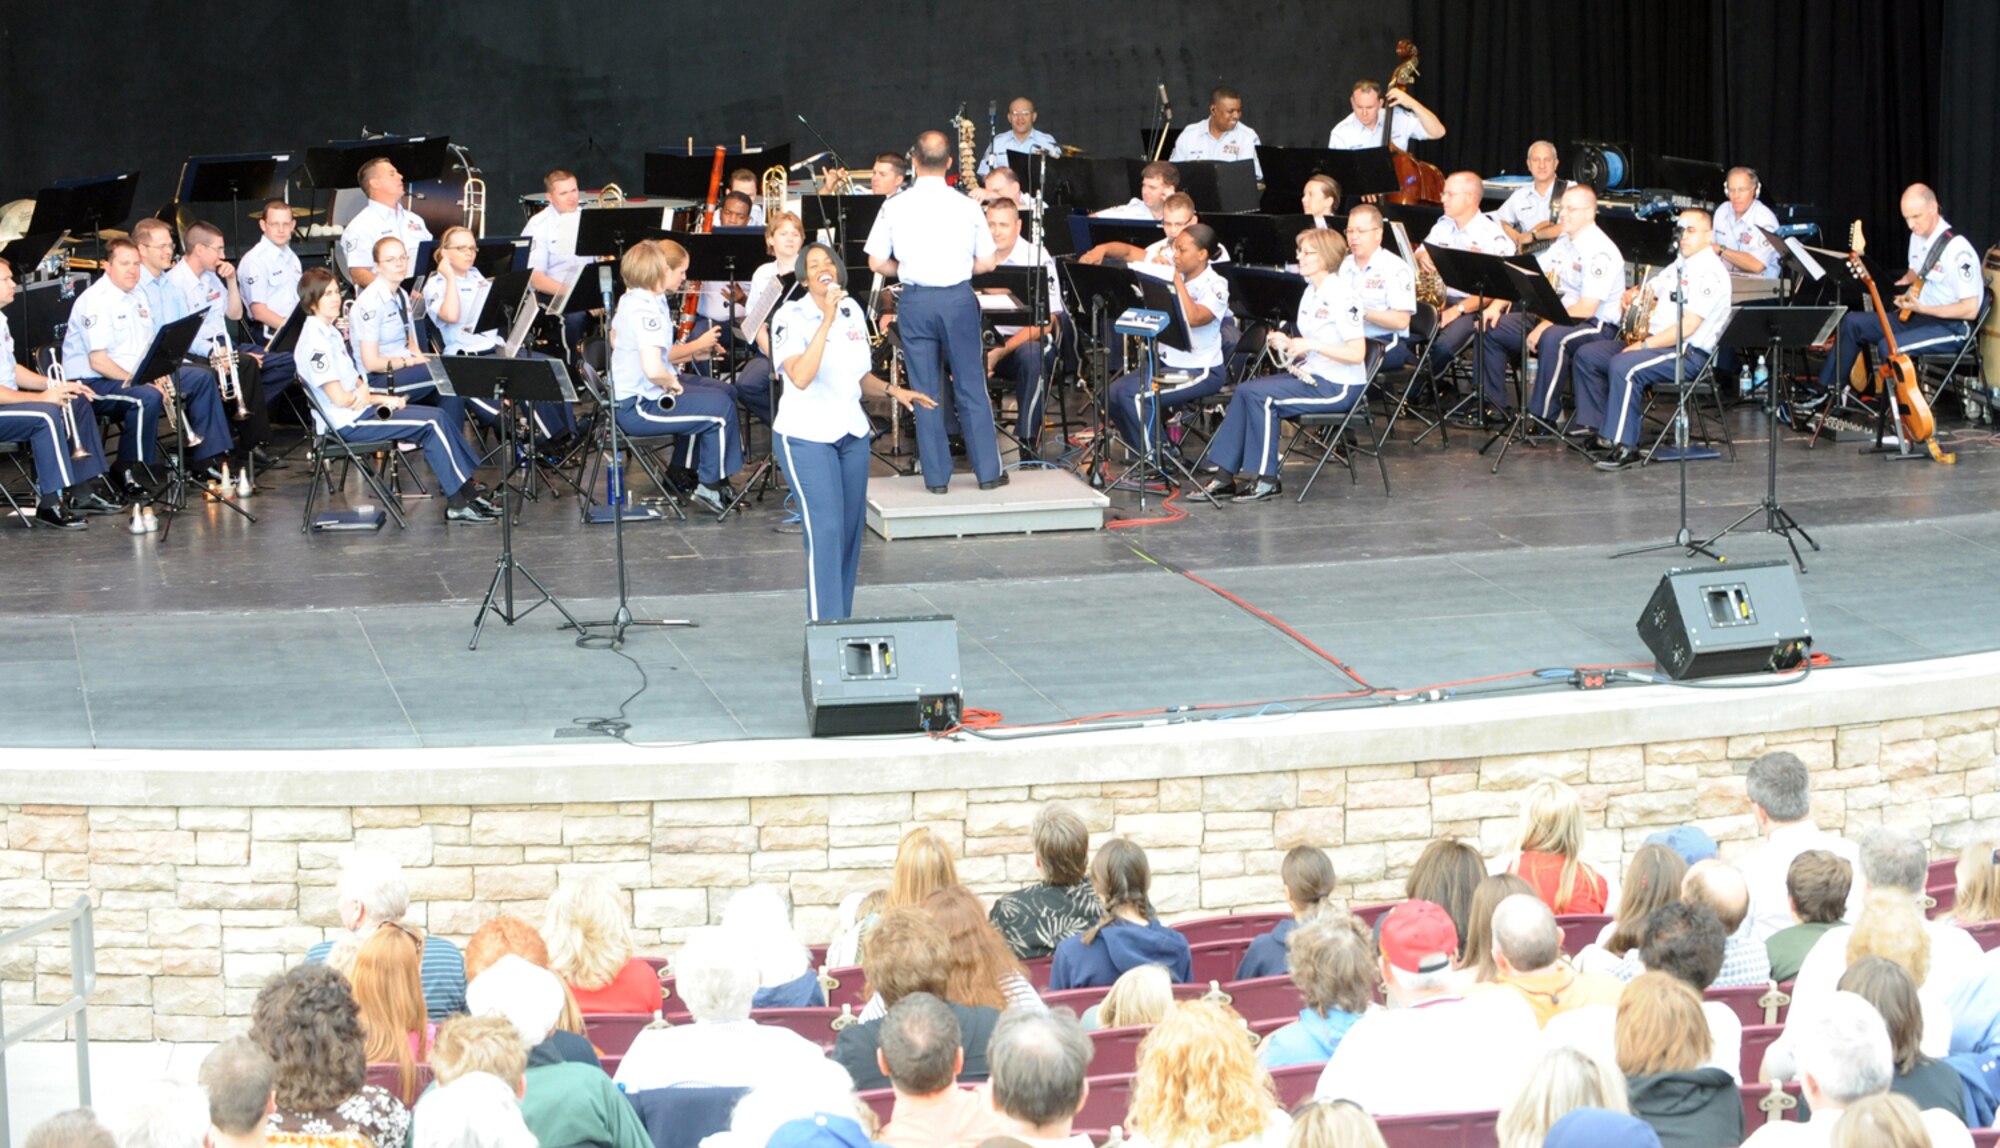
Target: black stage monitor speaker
(1710, 620)
(882, 675)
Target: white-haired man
(716, 974)
(372, 892)
(1844, 1056)
(1390, 1060)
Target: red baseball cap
(1418, 937)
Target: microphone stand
(622, 619)
(1684, 538)
(839, 207)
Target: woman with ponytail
(1130, 933)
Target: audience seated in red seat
(590, 948)
(1551, 850)
(1129, 934)
(1307, 873)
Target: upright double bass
(1417, 181)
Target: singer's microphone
(809, 161)
(604, 283)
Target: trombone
(472, 201)
(56, 379)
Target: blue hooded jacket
(1120, 945)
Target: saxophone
(1632, 325)
(968, 158)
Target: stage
(241, 636)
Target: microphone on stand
(604, 284)
(809, 161)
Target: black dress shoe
(1584, 435)
(53, 514)
(1262, 489)
(266, 461)
(995, 483)
(1220, 487)
(1619, 459)
(939, 489)
(470, 515)
(91, 502)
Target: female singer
(1331, 349)
(820, 344)
(454, 297)
(342, 401)
(647, 392)
(1321, 198)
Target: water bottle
(1762, 378)
(614, 479)
(1743, 383)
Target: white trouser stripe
(806, 525)
(438, 430)
(1624, 400)
(56, 435)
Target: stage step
(1035, 500)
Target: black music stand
(214, 178)
(1266, 298)
(1641, 241)
(1070, 180)
(336, 164)
(1367, 171)
(726, 255)
(610, 230)
(500, 381)
(1101, 293)
(1265, 240)
(1132, 231)
(507, 292)
(162, 360)
(684, 172)
(496, 256)
(1532, 294)
(1158, 294)
(1027, 290)
(1484, 277)
(849, 217)
(1777, 329)
(85, 206)
(1220, 186)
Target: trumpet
(56, 379)
(227, 378)
(472, 201)
(172, 395)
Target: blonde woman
(1333, 1124)
(1978, 884)
(590, 948)
(1199, 1085)
(1884, 1120)
(1563, 1079)
(924, 865)
(1140, 995)
(1551, 850)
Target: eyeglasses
(1361, 230)
(463, 247)
(1019, 115)
(415, 937)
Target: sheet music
(1803, 254)
(760, 308)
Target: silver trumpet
(56, 379)
(227, 377)
(173, 397)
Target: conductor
(935, 240)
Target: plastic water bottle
(1762, 378)
(1743, 382)
(614, 479)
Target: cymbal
(297, 212)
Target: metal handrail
(82, 979)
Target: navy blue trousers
(940, 330)
(831, 481)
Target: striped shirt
(443, 972)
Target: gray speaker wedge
(882, 675)
(1706, 621)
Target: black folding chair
(1328, 430)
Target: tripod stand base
(1683, 541)
(618, 625)
(504, 569)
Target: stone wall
(196, 906)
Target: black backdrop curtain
(1969, 147)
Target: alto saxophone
(1633, 324)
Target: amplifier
(1710, 620)
(882, 675)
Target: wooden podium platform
(1035, 500)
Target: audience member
(820, 1130)
(824, 1091)
(390, 993)
(1447, 874)
(1686, 942)
(237, 1077)
(907, 953)
(1718, 887)
(160, 1113)
(1652, 879)
(561, 1103)
(306, 1021)
(1040, 1059)
(1891, 989)
(1560, 1081)
(1600, 1128)
(921, 1056)
(1129, 934)
(923, 866)
(857, 914)
(1816, 888)
(1780, 791)
(1893, 863)
(372, 892)
(785, 976)
(1883, 1121)
(481, 1069)
(984, 971)
(511, 936)
(1690, 843)
(1527, 950)
(1475, 958)
(1978, 876)
(716, 974)
(73, 1128)
(1551, 850)
(590, 948)
(1062, 904)
(1663, 1046)
(1333, 1124)
(1308, 876)
(1141, 995)
(1395, 1061)
(1334, 965)
(1199, 1085)
(1844, 1055)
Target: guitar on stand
(1898, 375)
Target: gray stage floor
(255, 636)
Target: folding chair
(641, 448)
(329, 448)
(1421, 370)
(1328, 429)
(1936, 372)
(1701, 387)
